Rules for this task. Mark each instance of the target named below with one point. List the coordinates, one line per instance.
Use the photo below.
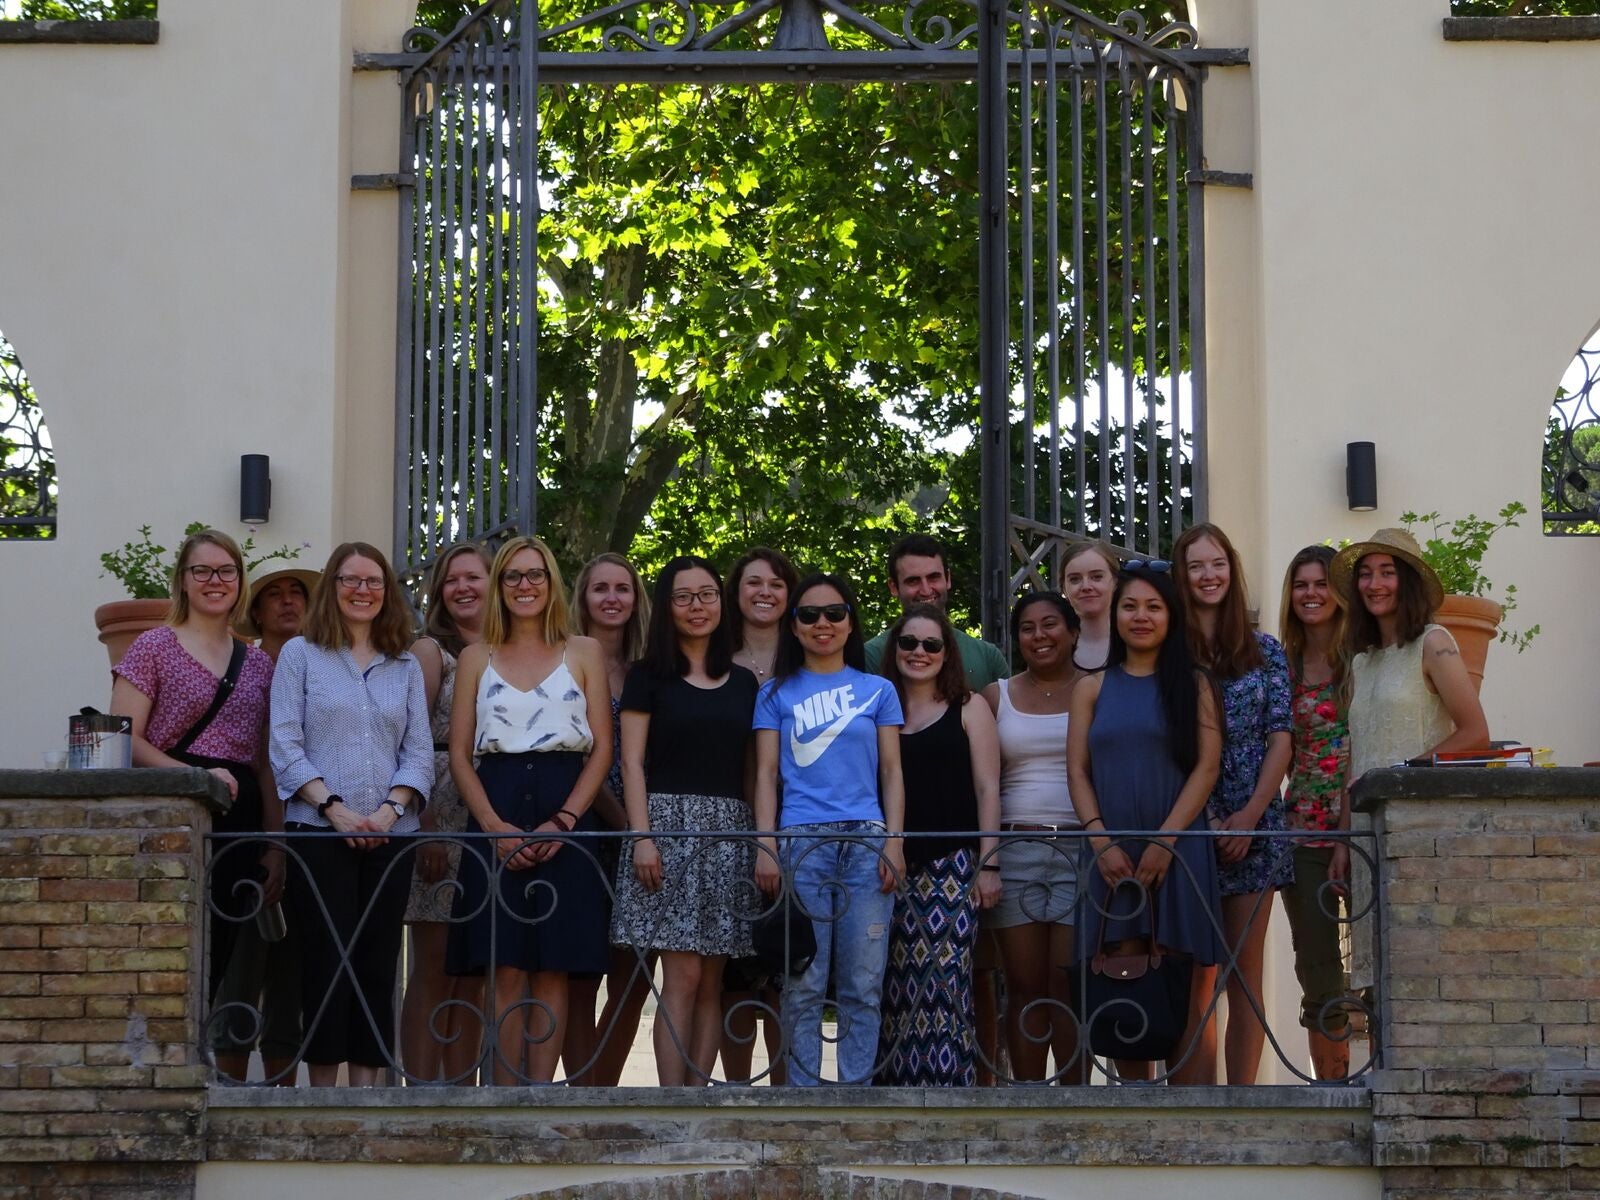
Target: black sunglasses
(1160, 565)
(808, 614)
(908, 643)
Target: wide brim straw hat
(1397, 543)
(246, 625)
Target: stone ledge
(1522, 29)
(1580, 785)
(166, 782)
(79, 33)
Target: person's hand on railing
(349, 822)
(228, 781)
(1232, 849)
(891, 866)
(769, 876)
(647, 864)
(1114, 864)
(272, 864)
(1153, 866)
(1339, 867)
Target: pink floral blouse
(1321, 757)
(181, 688)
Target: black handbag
(785, 940)
(1136, 1003)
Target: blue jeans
(834, 879)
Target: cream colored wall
(291, 1181)
(1415, 266)
(187, 278)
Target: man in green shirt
(918, 575)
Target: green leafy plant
(145, 567)
(1455, 551)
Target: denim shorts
(1038, 881)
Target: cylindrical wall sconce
(1361, 475)
(255, 488)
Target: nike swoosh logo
(806, 753)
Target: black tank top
(936, 764)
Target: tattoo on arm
(1447, 650)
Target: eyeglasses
(1159, 565)
(357, 583)
(706, 595)
(534, 575)
(204, 574)
(809, 614)
(908, 643)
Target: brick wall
(101, 1087)
(1491, 986)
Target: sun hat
(246, 625)
(1397, 543)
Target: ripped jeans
(835, 882)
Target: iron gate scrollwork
(1090, 248)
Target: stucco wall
(1416, 266)
(187, 278)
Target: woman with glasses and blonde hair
(198, 697)
(533, 707)
(435, 1042)
(352, 751)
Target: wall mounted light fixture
(1361, 475)
(255, 488)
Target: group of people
(612, 783)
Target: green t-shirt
(981, 660)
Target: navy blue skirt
(546, 918)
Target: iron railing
(1572, 448)
(1043, 1021)
(27, 459)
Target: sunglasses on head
(931, 645)
(1147, 564)
(809, 614)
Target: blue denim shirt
(360, 732)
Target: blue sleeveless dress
(1137, 782)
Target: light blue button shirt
(360, 732)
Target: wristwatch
(399, 809)
(333, 798)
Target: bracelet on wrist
(990, 867)
(333, 798)
(571, 820)
(1092, 820)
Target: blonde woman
(167, 685)
(532, 704)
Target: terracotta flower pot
(123, 620)
(1474, 623)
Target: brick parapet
(101, 1084)
(1490, 996)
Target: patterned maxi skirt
(927, 1034)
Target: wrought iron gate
(1092, 381)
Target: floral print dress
(1321, 759)
(1255, 705)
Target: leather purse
(1136, 1003)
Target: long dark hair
(662, 656)
(1292, 631)
(732, 615)
(1362, 632)
(1176, 669)
(950, 685)
(1235, 650)
(791, 655)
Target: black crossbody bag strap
(224, 690)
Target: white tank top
(1033, 766)
(553, 716)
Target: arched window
(27, 459)
(1571, 482)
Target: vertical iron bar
(499, 414)
(1026, 253)
(1176, 132)
(1080, 294)
(1148, 303)
(1052, 239)
(438, 230)
(471, 501)
(1125, 135)
(406, 342)
(1197, 315)
(527, 266)
(1103, 285)
(993, 333)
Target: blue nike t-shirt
(828, 742)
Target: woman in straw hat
(1410, 695)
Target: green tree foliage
(27, 460)
(88, 10)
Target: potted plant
(145, 569)
(1455, 551)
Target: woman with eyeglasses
(1253, 675)
(167, 685)
(686, 711)
(1144, 749)
(950, 763)
(1038, 870)
(352, 750)
(831, 734)
(530, 744)
(610, 606)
